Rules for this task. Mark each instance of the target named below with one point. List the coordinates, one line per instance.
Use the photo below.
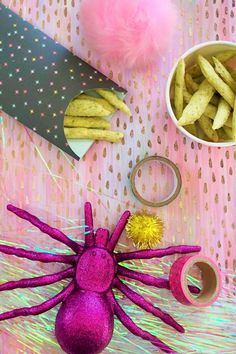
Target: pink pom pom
(132, 33)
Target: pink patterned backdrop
(37, 176)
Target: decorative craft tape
(39, 78)
(177, 181)
(211, 281)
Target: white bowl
(205, 49)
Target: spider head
(95, 270)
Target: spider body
(85, 320)
(95, 270)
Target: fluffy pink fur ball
(132, 33)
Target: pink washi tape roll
(211, 281)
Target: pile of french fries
(86, 116)
(203, 97)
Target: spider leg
(148, 254)
(146, 305)
(137, 331)
(150, 280)
(38, 256)
(101, 238)
(38, 281)
(38, 309)
(88, 215)
(45, 228)
(118, 230)
(143, 278)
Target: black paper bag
(39, 77)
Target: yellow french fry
(195, 70)
(222, 114)
(206, 125)
(86, 122)
(233, 74)
(187, 95)
(210, 111)
(210, 107)
(222, 135)
(191, 85)
(214, 79)
(229, 123)
(114, 101)
(87, 108)
(215, 100)
(106, 105)
(197, 104)
(228, 131)
(93, 134)
(225, 55)
(179, 88)
(172, 92)
(225, 74)
(199, 79)
(200, 133)
(234, 122)
(191, 128)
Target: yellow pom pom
(145, 230)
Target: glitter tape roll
(177, 181)
(211, 281)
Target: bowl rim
(167, 93)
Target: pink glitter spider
(85, 320)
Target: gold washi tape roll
(177, 181)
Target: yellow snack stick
(222, 134)
(86, 122)
(187, 95)
(199, 79)
(228, 131)
(229, 123)
(195, 70)
(215, 100)
(99, 100)
(172, 92)
(179, 88)
(206, 125)
(233, 74)
(214, 79)
(234, 122)
(114, 101)
(222, 114)
(226, 55)
(93, 134)
(210, 109)
(225, 74)
(191, 128)
(191, 85)
(86, 108)
(197, 104)
(200, 133)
